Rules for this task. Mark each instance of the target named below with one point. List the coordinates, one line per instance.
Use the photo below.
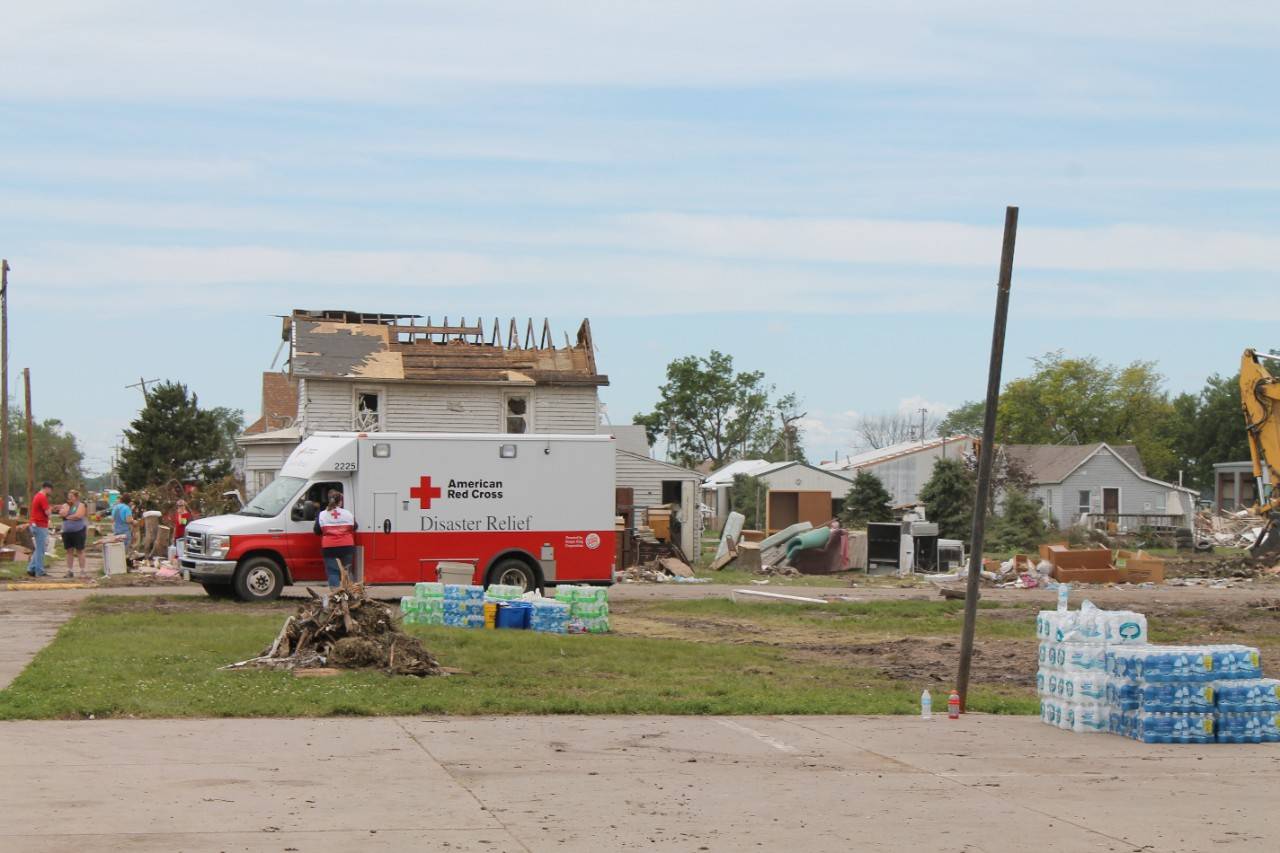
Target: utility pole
(923, 411)
(31, 454)
(987, 454)
(142, 383)
(4, 384)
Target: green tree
(964, 420)
(1020, 526)
(710, 413)
(948, 496)
(867, 501)
(230, 424)
(1082, 400)
(748, 495)
(1208, 428)
(58, 457)
(785, 443)
(173, 439)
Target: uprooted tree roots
(351, 631)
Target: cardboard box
(1044, 549)
(1108, 575)
(1063, 557)
(1140, 567)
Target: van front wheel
(259, 579)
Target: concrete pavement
(623, 783)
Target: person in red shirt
(181, 518)
(39, 529)
(337, 529)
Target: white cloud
(403, 50)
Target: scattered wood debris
(347, 630)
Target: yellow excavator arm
(1260, 399)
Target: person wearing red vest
(337, 529)
(39, 529)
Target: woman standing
(75, 524)
(337, 529)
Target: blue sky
(814, 187)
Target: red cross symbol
(424, 492)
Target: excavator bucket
(1268, 543)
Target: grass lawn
(160, 657)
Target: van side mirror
(303, 511)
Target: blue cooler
(514, 614)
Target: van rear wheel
(514, 572)
(259, 579)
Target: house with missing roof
(372, 372)
(1088, 482)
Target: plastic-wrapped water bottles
(1253, 694)
(462, 606)
(549, 616)
(1183, 697)
(1249, 727)
(502, 592)
(1159, 727)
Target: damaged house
(373, 372)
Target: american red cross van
(527, 509)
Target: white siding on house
(802, 478)
(327, 405)
(565, 410)
(261, 462)
(443, 408)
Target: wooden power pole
(4, 385)
(987, 452)
(31, 454)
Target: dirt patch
(921, 659)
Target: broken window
(368, 416)
(671, 491)
(517, 413)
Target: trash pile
(345, 629)
(800, 548)
(661, 570)
(574, 610)
(1229, 529)
(1098, 674)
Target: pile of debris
(345, 629)
(795, 550)
(662, 570)
(1229, 529)
(1222, 568)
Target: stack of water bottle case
(574, 610)
(1099, 673)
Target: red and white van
(531, 510)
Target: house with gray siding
(1089, 482)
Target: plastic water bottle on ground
(926, 706)
(1064, 593)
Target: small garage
(801, 492)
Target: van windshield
(268, 502)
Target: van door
(382, 537)
(306, 563)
